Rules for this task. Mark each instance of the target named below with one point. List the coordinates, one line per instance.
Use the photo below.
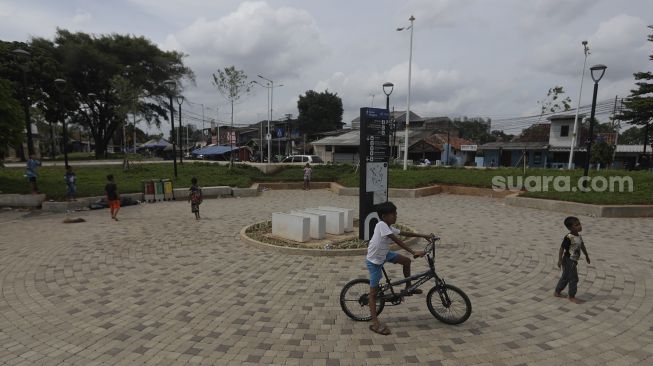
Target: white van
(311, 159)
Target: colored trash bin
(148, 190)
(168, 193)
(158, 190)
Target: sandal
(381, 329)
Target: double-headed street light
(388, 87)
(170, 86)
(61, 86)
(23, 58)
(597, 73)
(410, 64)
(269, 135)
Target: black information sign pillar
(374, 155)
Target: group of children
(378, 252)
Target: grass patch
(91, 179)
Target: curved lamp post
(170, 86)
(23, 57)
(410, 64)
(388, 87)
(597, 73)
(61, 86)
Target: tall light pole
(388, 87)
(61, 85)
(410, 64)
(586, 50)
(23, 58)
(596, 77)
(170, 86)
(271, 88)
(180, 100)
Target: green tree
(554, 101)
(319, 112)
(475, 131)
(602, 153)
(232, 84)
(632, 136)
(12, 120)
(638, 107)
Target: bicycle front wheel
(449, 304)
(354, 300)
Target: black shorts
(32, 179)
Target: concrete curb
(311, 252)
(581, 208)
(21, 200)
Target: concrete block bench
(335, 220)
(318, 223)
(349, 216)
(289, 226)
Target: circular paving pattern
(160, 288)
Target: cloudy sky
(470, 57)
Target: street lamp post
(170, 86)
(410, 63)
(61, 85)
(180, 100)
(23, 57)
(580, 93)
(388, 87)
(594, 69)
(271, 88)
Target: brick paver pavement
(159, 288)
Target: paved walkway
(159, 288)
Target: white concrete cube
(349, 216)
(291, 227)
(335, 220)
(318, 223)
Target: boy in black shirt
(568, 257)
(112, 197)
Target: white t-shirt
(379, 245)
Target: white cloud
(81, 17)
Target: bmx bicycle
(446, 302)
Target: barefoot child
(568, 257)
(195, 197)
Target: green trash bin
(168, 193)
(158, 190)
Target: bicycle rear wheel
(354, 300)
(449, 304)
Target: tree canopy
(638, 107)
(319, 112)
(12, 121)
(107, 77)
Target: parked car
(303, 159)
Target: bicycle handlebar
(430, 247)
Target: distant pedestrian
(195, 197)
(113, 197)
(71, 183)
(568, 256)
(307, 176)
(31, 172)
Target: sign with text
(374, 156)
(468, 147)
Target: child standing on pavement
(111, 190)
(31, 172)
(195, 197)
(568, 256)
(378, 252)
(71, 188)
(307, 176)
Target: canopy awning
(214, 150)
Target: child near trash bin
(111, 190)
(195, 198)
